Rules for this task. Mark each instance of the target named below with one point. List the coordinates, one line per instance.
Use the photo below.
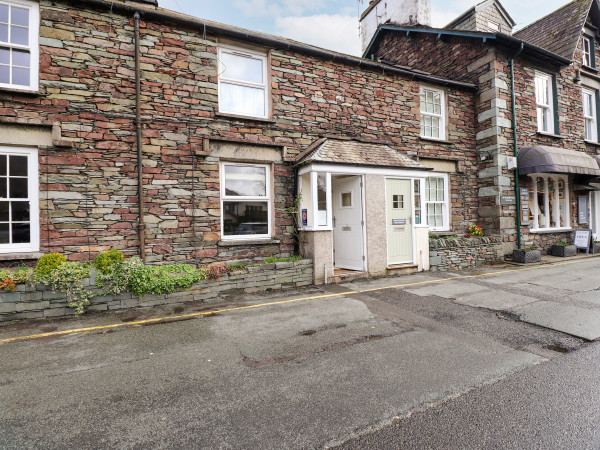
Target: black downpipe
(296, 233)
(515, 146)
(138, 139)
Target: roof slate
(358, 153)
(559, 31)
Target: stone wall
(89, 191)
(36, 301)
(463, 253)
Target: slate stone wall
(89, 192)
(463, 253)
(36, 301)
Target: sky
(333, 24)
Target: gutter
(267, 41)
(138, 139)
(515, 146)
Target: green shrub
(108, 261)
(46, 265)
(117, 281)
(273, 259)
(235, 267)
(164, 279)
(68, 278)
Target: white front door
(398, 202)
(347, 223)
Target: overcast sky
(333, 24)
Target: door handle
(334, 222)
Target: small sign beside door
(398, 221)
(582, 239)
(304, 217)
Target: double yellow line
(263, 305)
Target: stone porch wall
(464, 253)
(36, 301)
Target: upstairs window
(243, 83)
(589, 115)
(432, 113)
(19, 53)
(587, 49)
(544, 99)
(493, 26)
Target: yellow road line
(262, 305)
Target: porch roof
(355, 153)
(544, 159)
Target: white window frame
(263, 57)
(241, 199)
(545, 227)
(544, 105)
(33, 189)
(586, 53)
(445, 203)
(494, 26)
(590, 122)
(33, 48)
(441, 117)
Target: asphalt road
(307, 374)
(555, 405)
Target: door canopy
(543, 159)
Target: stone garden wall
(464, 253)
(34, 301)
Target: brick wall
(89, 197)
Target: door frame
(363, 216)
(412, 221)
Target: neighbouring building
(252, 145)
(551, 123)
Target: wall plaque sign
(304, 217)
(398, 221)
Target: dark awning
(543, 159)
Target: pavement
(300, 369)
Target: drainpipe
(138, 139)
(515, 146)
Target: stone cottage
(231, 130)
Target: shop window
(19, 200)
(245, 201)
(589, 115)
(19, 51)
(545, 103)
(549, 202)
(436, 203)
(432, 113)
(243, 83)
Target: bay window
(549, 201)
(243, 83)
(19, 200)
(19, 52)
(245, 201)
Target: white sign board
(582, 239)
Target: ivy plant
(164, 279)
(68, 277)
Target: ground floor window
(549, 201)
(435, 203)
(245, 201)
(19, 200)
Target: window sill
(430, 139)
(316, 229)
(239, 117)
(591, 142)
(17, 91)
(589, 68)
(556, 136)
(550, 230)
(21, 255)
(239, 242)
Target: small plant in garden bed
(273, 259)
(164, 279)
(527, 255)
(235, 267)
(443, 236)
(108, 261)
(10, 278)
(563, 249)
(46, 265)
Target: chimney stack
(398, 12)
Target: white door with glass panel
(398, 199)
(347, 223)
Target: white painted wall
(400, 12)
